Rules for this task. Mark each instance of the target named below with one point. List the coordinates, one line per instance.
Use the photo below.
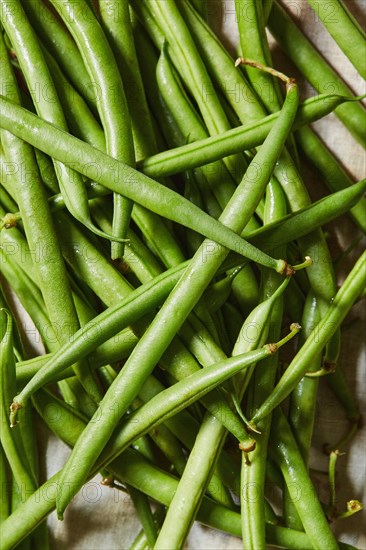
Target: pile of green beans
(172, 305)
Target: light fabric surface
(103, 519)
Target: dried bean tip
(354, 506)
(14, 408)
(247, 446)
(272, 348)
(9, 221)
(284, 268)
(330, 367)
(108, 481)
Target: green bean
(170, 446)
(112, 107)
(254, 331)
(140, 542)
(7, 203)
(123, 45)
(158, 235)
(301, 415)
(90, 340)
(321, 277)
(29, 296)
(261, 384)
(91, 337)
(104, 326)
(190, 64)
(191, 127)
(337, 311)
(47, 171)
(294, 471)
(116, 24)
(193, 69)
(216, 174)
(144, 513)
(79, 117)
(345, 30)
(62, 47)
(121, 178)
(301, 222)
(235, 140)
(145, 143)
(199, 466)
(244, 101)
(183, 393)
(338, 384)
(185, 502)
(314, 68)
(251, 25)
(285, 171)
(292, 227)
(266, 7)
(185, 428)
